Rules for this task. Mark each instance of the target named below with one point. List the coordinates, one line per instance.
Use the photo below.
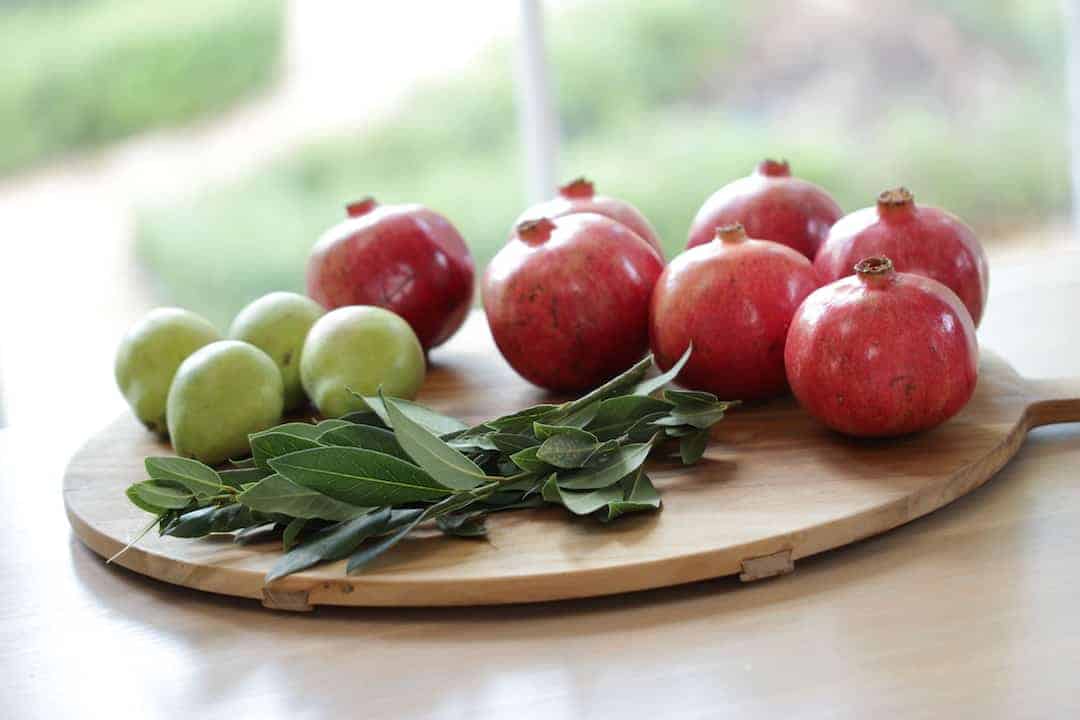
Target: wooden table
(973, 611)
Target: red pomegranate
(771, 205)
(567, 300)
(579, 196)
(405, 258)
(882, 353)
(918, 239)
(733, 298)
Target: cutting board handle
(1056, 400)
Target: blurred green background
(80, 74)
(660, 103)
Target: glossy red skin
(923, 240)
(878, 359)
(777, 207)
(405, 258)
(734, 301)
(585, 201)
(572, 311)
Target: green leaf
(645, 428)
(528, 461)
(332, 424)
(285, 439)
(359, 477)
(212, 519)
(434, 422)
(406, 524)
(159, 495)
(243, 476)
(692, 447)
(510, 443)
(702, 418)
(581, 503)
(691, 398)
(522, 420)
(307, 430)
(292, 533)
(468, 524)
(364, 417)
(332, 543)
(259, 532)
(617, 415)
(618, 385)
(571, 448)
(639, 496)
(624, 461)
(472, 442)
(367, 437)
(441, 461)
(279, 495)
(577, 417)
(137, 500)
(200, 479)
(647, 387)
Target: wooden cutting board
(773, 487)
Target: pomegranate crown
(577, 188)
(773, 168)
(732, 232)
(360, 207)
(895, 197)
(875, 265)
(534, 232)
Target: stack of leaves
(355, 486)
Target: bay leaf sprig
(354, 487)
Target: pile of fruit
(868, 319)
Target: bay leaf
(448, 465)
(239, 477)
(615, 416)
(137, 500)
(292, 532)
(522, 420)
(580, 503)
(528, 461)
(692, 447)
(283, 440)
(331, 543)
(648, 387)
(359, 477)
(434, 422)
(212, 519)
(157, 494)
(618, 385)
(639, 496)
(624, 461)
(277, 494)
(200, 479)
(367, 437)
(571, 448)
(510, 443)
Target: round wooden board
(773, 487)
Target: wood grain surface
(774, 487)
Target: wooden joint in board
(291, 600)
(767, 566)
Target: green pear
(360, 348)
(221, 394)
(149, 355)
(277, 324)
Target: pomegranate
(771, 205)
(405, 258)
(918, 239)
(579, 196)
(733, 299)
(882, 353)
(567, 299)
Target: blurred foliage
(641, 94)
(79, 74)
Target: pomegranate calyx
(874, 268)
(577, 188)
(895, 199)
(535, 232)
(361, 207)
(773, 168)
(732, 233)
